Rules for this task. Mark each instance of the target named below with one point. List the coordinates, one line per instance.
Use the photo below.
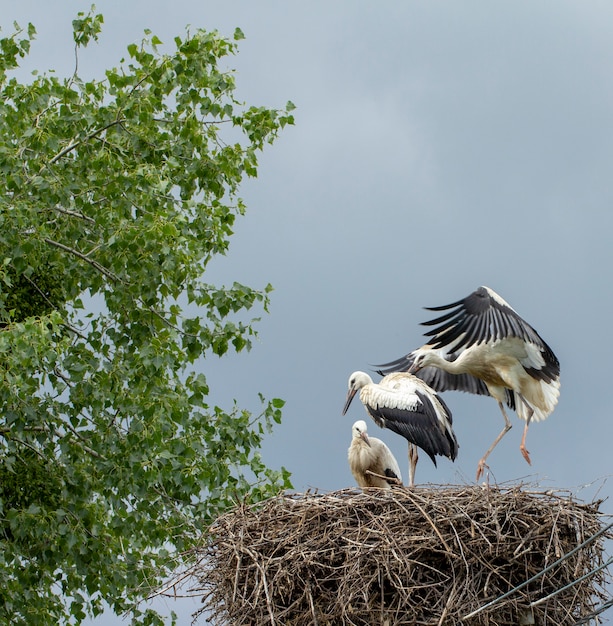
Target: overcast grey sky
(438, 146)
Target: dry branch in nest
(424, 557)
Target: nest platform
(431, 556)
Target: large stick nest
(425, 557)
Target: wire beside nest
(425, 557)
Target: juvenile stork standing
(405, 404)
(483, 346)
(371, 461)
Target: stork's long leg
(522, 445)
(507, 427)
(413, 458)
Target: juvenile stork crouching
(407, 406)
(483, 346)
(371, 461)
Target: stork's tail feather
(551, 393)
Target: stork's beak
(350, 395)
(414, 368)
(364, 436)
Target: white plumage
(407, 406)
(371, 461)
(483, 346)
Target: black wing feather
(420, 427)
(443, 307)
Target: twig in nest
(392, 480)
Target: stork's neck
(452, 367)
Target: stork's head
(358, 431)
(357, 380)
(422, 358)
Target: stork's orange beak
(364, 436)
(350, 395)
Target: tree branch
(76, 144)
(82, 440)
(73, 330)
(30, 429)
(6, 432)
(83, 257)
(40, 292)
(74, 214)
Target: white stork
(405, 404)
(371, 461)
(483, 346)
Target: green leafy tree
(116, 195)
